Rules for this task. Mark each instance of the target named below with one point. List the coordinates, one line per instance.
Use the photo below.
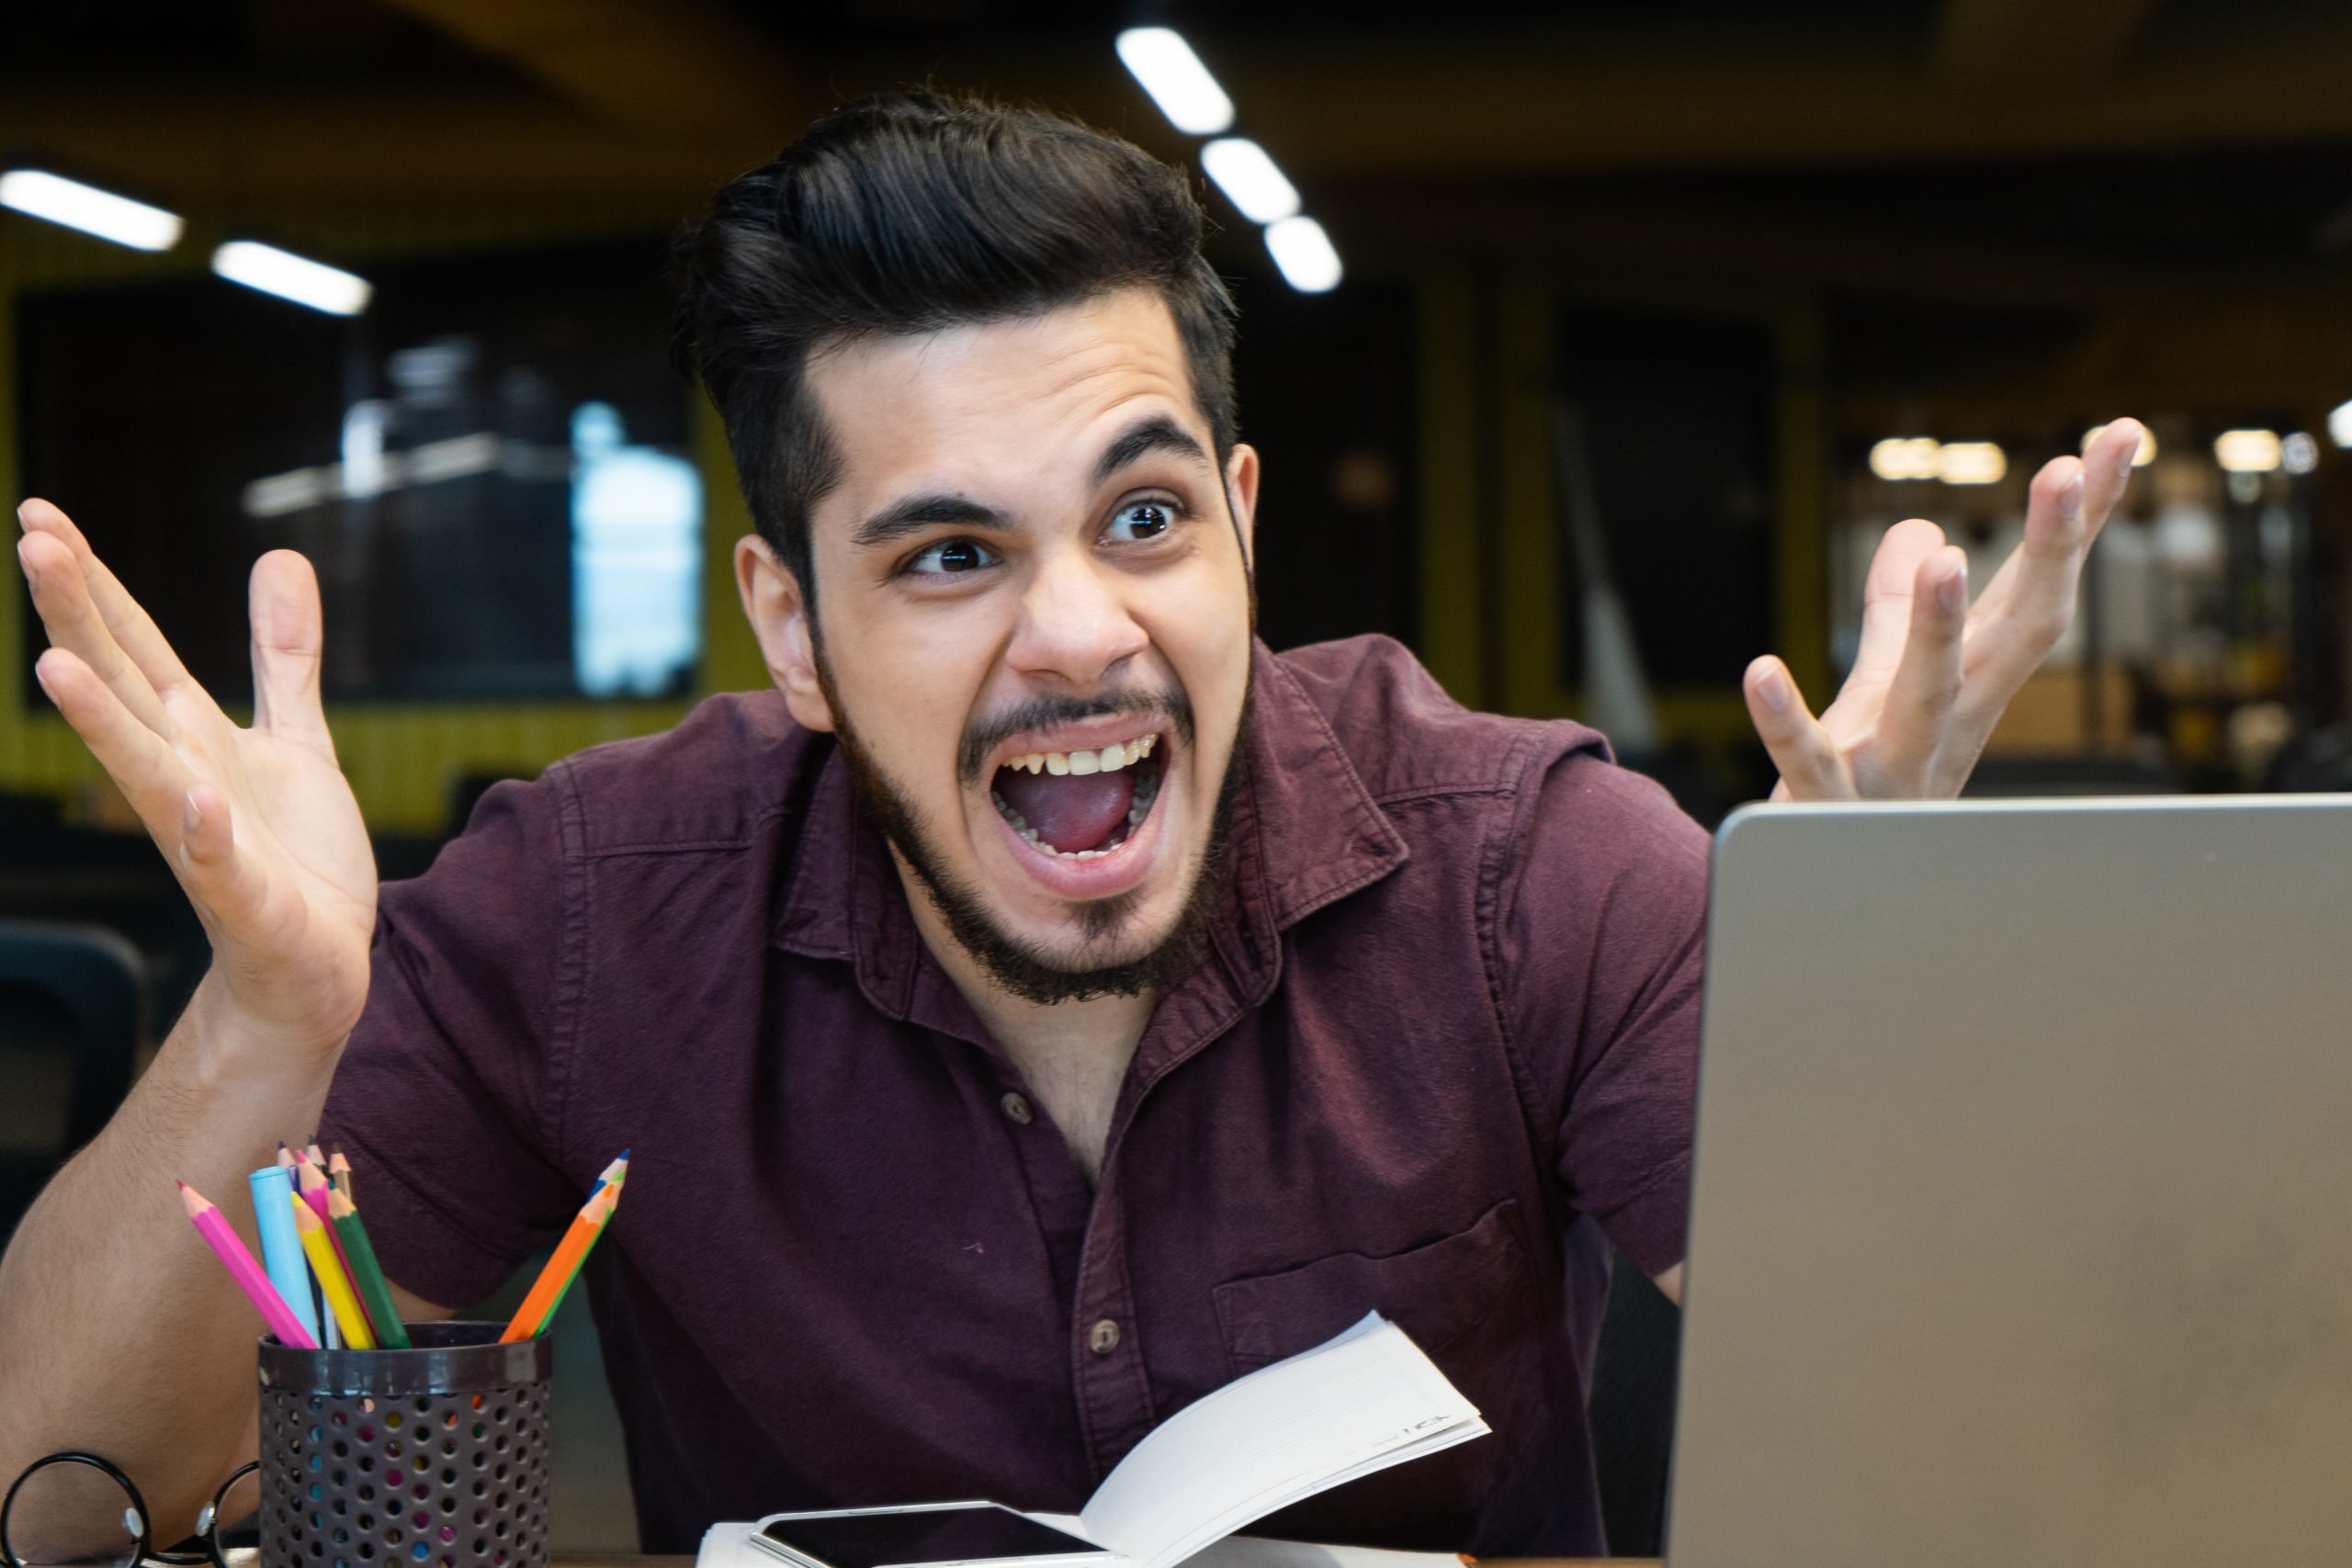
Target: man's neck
(1072, 1056)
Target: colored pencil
(281, 1249)
(214, 1228)
(333, 1284)
(375, 1293)
(312, 1176)
(586, 1227)
(339, 1173)
(616, 1175)
(613, 1173)
(312, 1152)
(285, 1157)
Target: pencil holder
(435, 1457)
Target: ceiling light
(1970, 463)
(1249, 177)
(2339, 424)
(1905, 457)
(1305, 254)
(2140, 459)
(2248, 451)
(90, 210)
(290, 277)
(1177, 81)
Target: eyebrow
(1157, 434)
(913, 514)
(916, 512)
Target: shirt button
(1103, 1337)
(1017, 1107)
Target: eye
(1140, 520)
(950, 555)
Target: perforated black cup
(435, 1457)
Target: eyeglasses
(80, 1509)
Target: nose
(1075, 628)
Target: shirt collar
(1305, 832)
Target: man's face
(1033, 607)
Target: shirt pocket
(1439, 1293)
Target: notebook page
(1357, 1403)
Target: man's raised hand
(258, 823)
(1932, 675)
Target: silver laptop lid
(2022, 1210)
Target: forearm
(120, 1332)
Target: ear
(780, 618)
(1241, 494)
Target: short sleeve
(1601, 938)
(445, 1098)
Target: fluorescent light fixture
(1970, 463)
(1177, 81)
(90, 210)
(2140, 459)
(1305, 254)
(2298, 453)
(2339, 424)
(2248, 451)
(290, 277)
(1905, 457)
(1243, 171)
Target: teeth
(1109, 759)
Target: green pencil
(366, 1272)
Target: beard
(1027, 969)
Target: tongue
(1069, 813)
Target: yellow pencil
(333, 1284)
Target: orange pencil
(586, 1227)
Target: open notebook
(1354, 1405)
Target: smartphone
(926, 1534)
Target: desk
(624, 1559)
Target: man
(1043, 1008)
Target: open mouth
(1080, 805)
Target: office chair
(1631, 1410)
(70, 1004)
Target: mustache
(986, 735)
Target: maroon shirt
(1449, 1009)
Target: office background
(1647, 320)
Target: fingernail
(32, 578)
(1773, 690)
(1952, 591)
(2123, 464)
(2070, 497)
(41, 678)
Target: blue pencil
(281, 1249)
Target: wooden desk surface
(623, 1560)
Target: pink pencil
(312, 1178)
(214, 1229)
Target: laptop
(2022, 1225)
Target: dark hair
(908, 212)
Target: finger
(1812, 768)
(130, 625)
(2028, 606)
(74, 624)
(1886, 597)
(147, 771)
(1916, 722)
(226, 884)
(287, 647)
(2068, 504)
